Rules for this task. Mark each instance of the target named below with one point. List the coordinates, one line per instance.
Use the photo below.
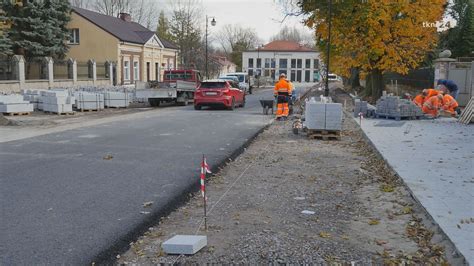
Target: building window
(293, 76)
(308, 64)
(267, 73)
(273, 63)
(73, 36)
(299, 63)
(126, 70)
(283, 64)
(251, 72)
(293, 63)
(316, 64)
(136, 72)
(307, 74)
(259, 62)
(267, 62)
(250, 62)
(298, 75)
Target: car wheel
(197, 107)
(232, 104)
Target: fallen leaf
(374, 222)
(147, 204)
(324, 234)
(407, 210)
(380, 242)
(108, 157)
(345, 237)
(387, 188)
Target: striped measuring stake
(204, 170)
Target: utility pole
(326, 90)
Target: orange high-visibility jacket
(431, 106)
(282, 86)
(419, 100)
(449, 103)
(431, 93)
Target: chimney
(125, 17)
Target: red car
(219, 93)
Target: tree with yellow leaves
(375, 36)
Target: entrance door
(157, 71)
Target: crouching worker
(419, 100)
(282, 92)
(450, 105)
(432, 105)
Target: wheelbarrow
(267, 105)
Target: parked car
(246, 82)
(219, 93)
(231, 78)
(334, 77)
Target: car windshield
(240, 77)
(212, 85)
(332, 76)
(227, 78)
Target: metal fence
(62, 70)
(84, 70)
(35, 69)
(7, 69)
(422, 78)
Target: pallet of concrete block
(14, 104)
(323, 120)
(392, 107)
(57, 102)
(34, 97)
(115, 99)
(89, 101)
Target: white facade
(298, 66)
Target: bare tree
(81, 3)
(294, 34)
(232, 35)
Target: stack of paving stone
(360, 107)
(116, 99)
(393, 106)
(90, 101)
(323, 115)
(56, 101)
(34, 97)
(15, 104)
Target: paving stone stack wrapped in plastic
(14, 103)
(90, 101)
(323, 116)
(360, 107)
(116, 99)
(393, 106)
(34, 97)
(57, 101)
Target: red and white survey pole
(204, 170)
(361, 115)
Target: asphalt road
(62, 203)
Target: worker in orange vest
(432, 105)
(428, 93)
(282, 92)
(449, 104)
(419, 100)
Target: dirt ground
(362, 212)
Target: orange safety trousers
(283, 110)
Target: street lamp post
(326, 90)
(213, 23)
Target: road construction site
(291, 199)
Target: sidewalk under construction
(292, 199)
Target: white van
(246, 82)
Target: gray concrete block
(184, 244)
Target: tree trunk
(354, 80)
(377, 85)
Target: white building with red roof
(298, 62)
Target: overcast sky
(262, 15)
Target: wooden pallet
(88, 110)
(115, 107)
(17, 113)
(60, 113)
(467, 114)
(397, 117)
(324, 134)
